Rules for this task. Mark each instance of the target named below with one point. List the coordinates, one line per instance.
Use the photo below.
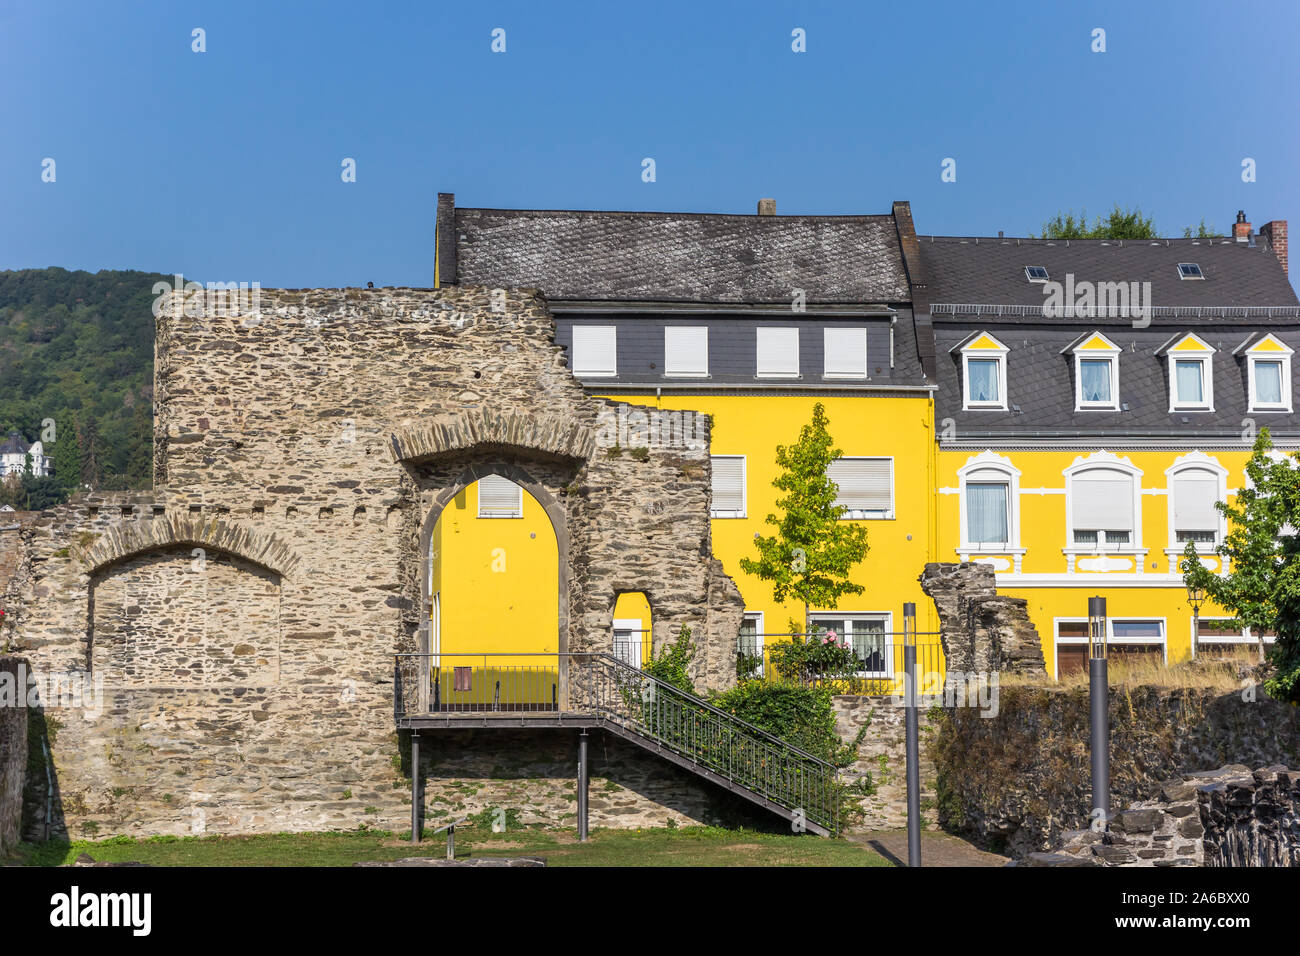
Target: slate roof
(682, 257)
(15, 444)
(992, 271)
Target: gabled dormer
(983, 372)
(1268, 372)
(1096, 372)
(1191, 373)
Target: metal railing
(698, 735)
(877, 670)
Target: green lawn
(690, 846)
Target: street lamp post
(913, 745)
(1195, 597)
(1099, 698)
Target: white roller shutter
(499, 498)
(1195, 493)
(865, 485)
(594, 350)
(1102, 500)
(686, 350)
(846, 353)
(778, 352)
(728, 486)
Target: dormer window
(1036, 273)
(984, 373)
(1268, 375)
(1190, 270)
(1191, 374)
(1096, 373)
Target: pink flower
(831, 634)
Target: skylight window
(1036, 273)
(1190, 270)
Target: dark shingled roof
(992, 271)
(14, 445)
(683, 257)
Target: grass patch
(1217, 670)
(685, 846)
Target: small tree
(1119, 224)
(812, 552)
(1262, 551)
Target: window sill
(726, 514)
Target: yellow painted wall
(898, 427)
(1044, 533)
(634, 606)
(497, 578)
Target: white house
(13, 456)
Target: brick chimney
(1275, 233)
(1241, 228)
(767, 207)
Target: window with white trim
(1191, 376)
(1270, 382)
(594, 350)
(749, 646)
(1103, 508)
(984, 373)
(1196, 520)
(1225, 630)
(1134, 638)
(499, 497)
(686, 351)
(867, 634)
(777, 353)
(845, 353)
(989, 505)
(866, 487)
(1096, 375)
(728, 486)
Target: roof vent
(767, 207)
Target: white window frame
(999, 355)
(1282, 357)
(827, 351)
(989, 467)
(1058, 640)
(757, 617)
(478, 491)
(669, 371)
(758, 336)
(579, 372)
(1104, 461)
(744, 488)
(844, 617)
(1196, 461)
(1204, 356)
(863, 515)
(1111, 355)
(632, 625)
(1243, 636)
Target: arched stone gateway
(309, 455)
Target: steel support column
(582, 785)
(415, 786)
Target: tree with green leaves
(812, 552)
(1120, 224)
(1262, 551)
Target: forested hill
(77, 347)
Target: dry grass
(1224, 671)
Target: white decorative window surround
(1195, 481)
(1096, 374)
(1103, 514)
(984, 373)
(1191, 375)
(594, 351)
(845, 353)
(777, 352)
(1269, 375)
(989, 511)
(686, 351)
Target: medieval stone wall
(983, 632)
(234, 630)
(13, 753)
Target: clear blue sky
(226, 164)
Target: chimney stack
(1241, 228)
(1275, 233)
(767, 207)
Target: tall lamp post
(1196, 597)
(913, 745)
(1099, 698)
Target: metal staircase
(602, 690)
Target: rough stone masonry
(232, 633)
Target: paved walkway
(937, 849)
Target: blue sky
(225, 165)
